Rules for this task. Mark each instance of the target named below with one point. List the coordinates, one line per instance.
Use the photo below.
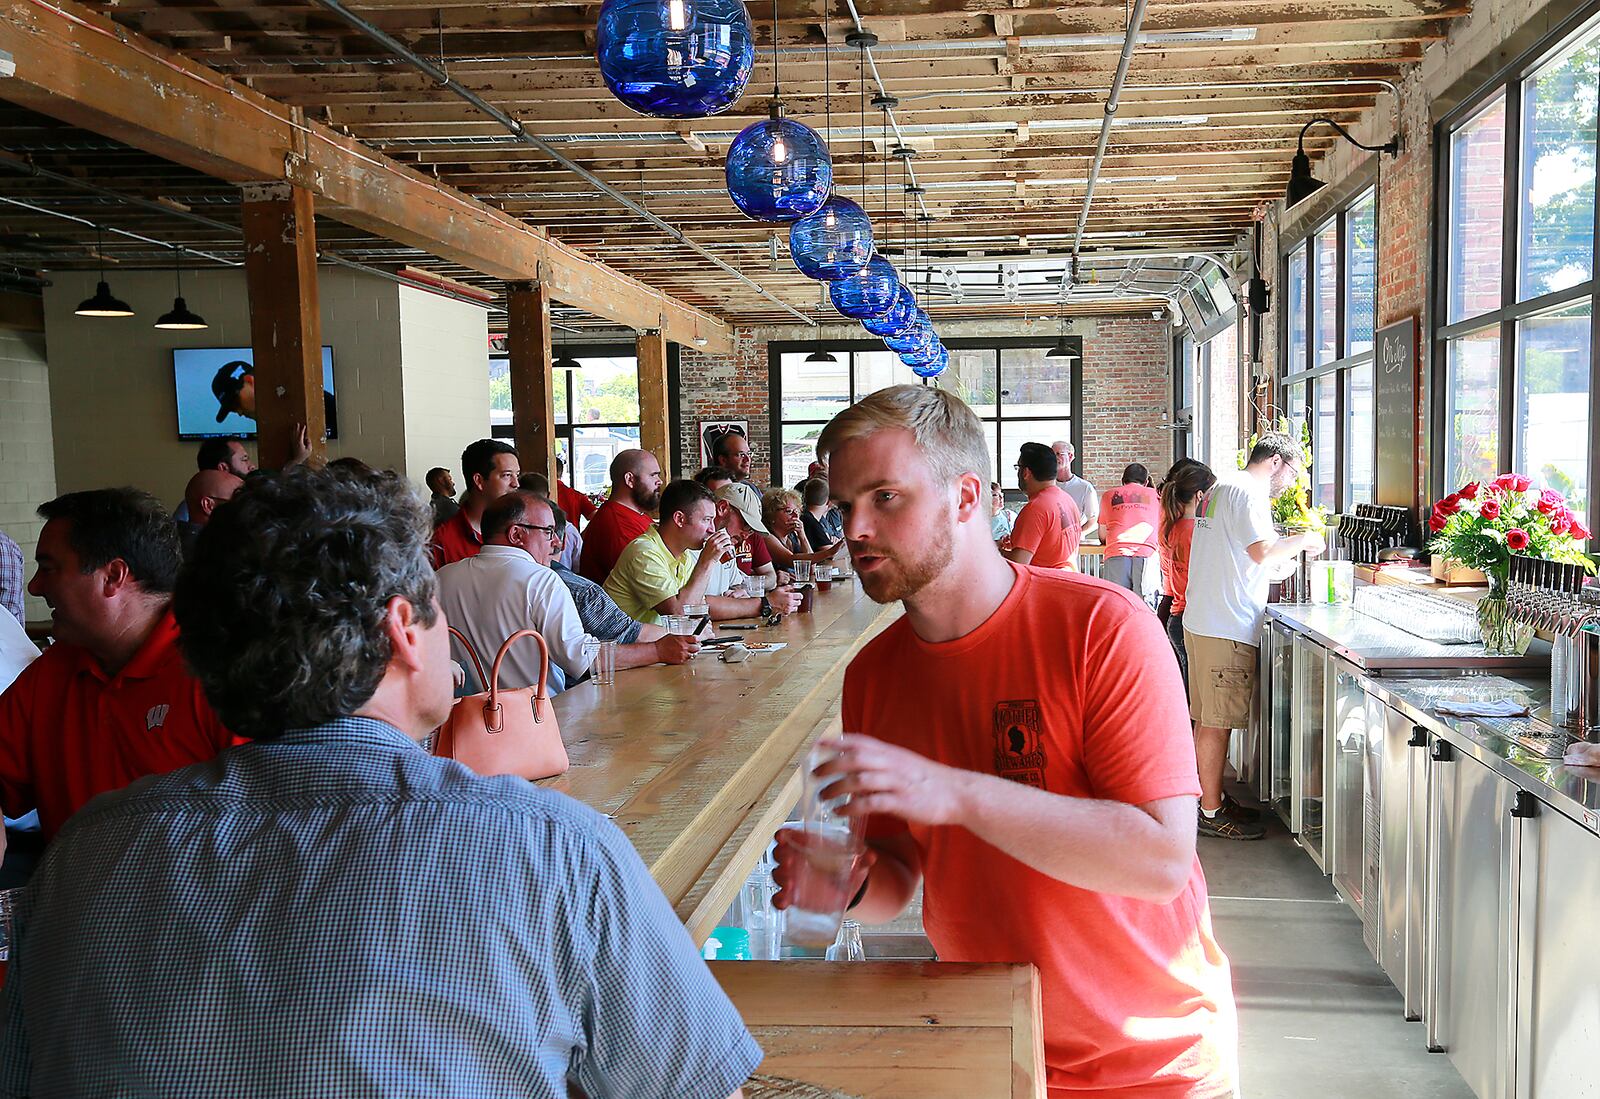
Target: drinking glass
(823, 575)
(802, 571)
(828, 843)
(602, 657)
(760, 919)
(676, 623)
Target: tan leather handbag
(505, 732)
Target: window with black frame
(1513, 339)
(1018, 392)
(1330, 294)
(596, 411)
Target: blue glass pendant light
(779, 169)
(833, 242)
(675, 58)
(934, 367)
(915, 339)
(897, 319)
(870, 292)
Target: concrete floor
(1316, 1014)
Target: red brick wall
(1127, 392)
(733, 387)
(1405, 202)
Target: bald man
(206, 492)
(1081, 491)
(626, 514)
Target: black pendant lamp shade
(180, 317)
(1062, 350)
(104, 303)
(821, 356)
(565, 361)
(1302, 184)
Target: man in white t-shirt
(1081, 491)
(1236, 555)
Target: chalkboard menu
(1395, 408)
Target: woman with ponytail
(1181, 496)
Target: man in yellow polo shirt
(670, 565)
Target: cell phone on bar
(705, 620)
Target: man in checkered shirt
(12, 581)
(330, 910)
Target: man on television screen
(234, 386)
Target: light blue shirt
(338, 913)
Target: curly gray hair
(281, 607)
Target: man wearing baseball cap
(739, 513)
(234, 387)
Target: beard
(647, 501)
(906, 574)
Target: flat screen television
(216, 392)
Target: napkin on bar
(1496, 707)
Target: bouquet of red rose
(1484, 525)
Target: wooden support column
(655, 430)
(533, 408)
(280, 266)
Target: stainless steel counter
(1525, 750)
(1375, 646)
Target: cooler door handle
(1419, 737)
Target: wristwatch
(766, 605)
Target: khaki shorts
(1222, 680)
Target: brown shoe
(1239, 812)
(1224, 827)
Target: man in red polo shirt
(492, 470)
(579, 507)
(635, 494)
(110, 701)
(1039, 779)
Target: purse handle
(477, 665)
(493, 720)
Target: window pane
(1558, 170)
(1477, 211)
(1013, 433)
(1222, 399)
(500, 393)
(1361, 275)
(593, 448)
(1325, 317)
(1035, 385)
(877, 370)
(607, 390)
(1296, 361)
(1360, 448)
(799, 451)
(1472, 408)
(1553, 401)
(971, 377)
(814, 391)
(1323, 471)
(1218, 289)
(1294, 407)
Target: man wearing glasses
(508, 586)
(1049, 527)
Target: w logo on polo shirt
(156, 717)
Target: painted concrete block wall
(444, 362)
(27, 456)
(111, 389)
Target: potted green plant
(1485, 524)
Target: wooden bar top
(699, 763)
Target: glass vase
(1502, 634)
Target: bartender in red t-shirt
(111, 700)
(626, 514)
(1039, 778)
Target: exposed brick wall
(734, 387)
(1127, 393)
(1405, 205)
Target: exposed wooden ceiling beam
(81, 68)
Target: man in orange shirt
(111, 700)
(1049, 527)
(492, 469)
(1130, 515)
(1045, 797)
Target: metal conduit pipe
(894, 124)
(442, 78)
(63, 215)
(1130, 41)
(30, 169)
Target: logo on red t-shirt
(1017, 755)
(156, 717)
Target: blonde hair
(945, 429)
(775, 498)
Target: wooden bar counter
(698, 765)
